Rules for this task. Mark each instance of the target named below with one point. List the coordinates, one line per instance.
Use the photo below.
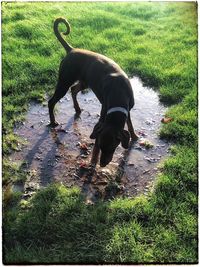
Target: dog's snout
(105, 159)
(103, 164)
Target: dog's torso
(101, 74)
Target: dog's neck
(116, 120)
(120, 109)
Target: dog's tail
(67, 47)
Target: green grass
(156, 41)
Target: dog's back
(90, 68)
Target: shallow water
(56, 155)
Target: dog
(81, 69)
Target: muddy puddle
(62, 154)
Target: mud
(62, 154)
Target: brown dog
(110, 85)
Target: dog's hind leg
(61, 90)
(134, 137)
(74, 91)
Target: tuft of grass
(184, 127)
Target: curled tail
(67, 47)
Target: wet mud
(63, 154)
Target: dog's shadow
(46, 170)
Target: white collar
(123, 110)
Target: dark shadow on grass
(57, 227)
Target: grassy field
(157, 42)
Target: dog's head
(108, 140)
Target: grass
(158, 42)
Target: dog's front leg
(134, 137)
(95, 153)
(98, 127)
(95, 135)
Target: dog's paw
(134, 137)
(53, 124)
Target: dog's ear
(124, 137)
(97, 129)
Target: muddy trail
(63, 154)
